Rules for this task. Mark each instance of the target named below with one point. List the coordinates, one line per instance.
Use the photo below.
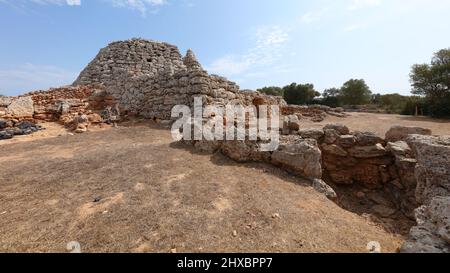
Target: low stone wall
(415, 170)
(75, 107)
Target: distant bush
(271, 91)
(293, 94)
(299, 94)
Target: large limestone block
(21, 107)
(399, 133)
(300, 156)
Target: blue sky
(46, 43)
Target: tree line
(430, 92)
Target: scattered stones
(18, 128)
(276, 216)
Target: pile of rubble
(11, 128)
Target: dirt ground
(381, 123)
(131, 189)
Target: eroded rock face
(401, 133)
(433, 191)
(432, 233)
(433, 166)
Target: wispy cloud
(28, 77)
(358, 4)
(314, 16)
(58, 2)
(269, 48)
(142, 6)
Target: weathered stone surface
(432, 233)
(341, 129)
(300, 156)
(21, 107)
(334, 150)
(401, 133)
(320, 186)
(208, 146)
(422, 239)
(343, 177)
(3, 124)
(433, 166)
(433, 191)
(244, 151)
(316, 134)
(399, 148)
(347, 141)
(294, 123)
(367, 138)
(368, 151)
(439, 211)
(331, 136)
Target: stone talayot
(149, 78)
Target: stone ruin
(147, 78)
(139, 78)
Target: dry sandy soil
(381, 123)
(131, 189)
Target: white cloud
(269, 48)
(29, 77)
(58, 2)
(314, 16)
(358, 4)
(140, 5)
